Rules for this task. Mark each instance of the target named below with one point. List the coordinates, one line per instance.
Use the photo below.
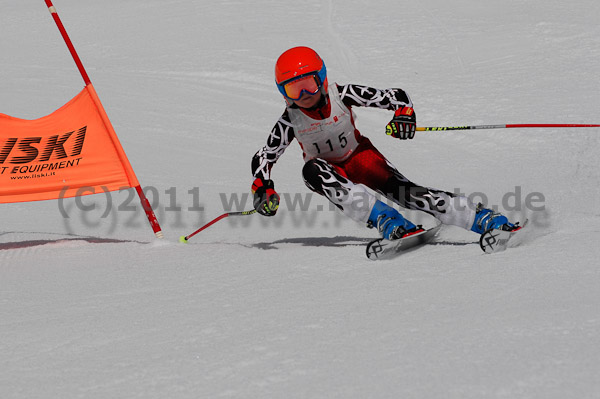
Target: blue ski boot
(486, 219)
(389, 222)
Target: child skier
(340, 162)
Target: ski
(495, 240)
(388, 249)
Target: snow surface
(91, 306)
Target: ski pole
(184, 239)
(523, 125)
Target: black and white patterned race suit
(341, 163)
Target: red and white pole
(145, 203)
(65, 36)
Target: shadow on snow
(339, 241)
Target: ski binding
(387, 249)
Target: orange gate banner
(57, 155)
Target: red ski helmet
(297, 63)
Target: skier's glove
(266, 199)
(403, 125)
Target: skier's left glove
(266, 199)
(403, 125)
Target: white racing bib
(333, 138)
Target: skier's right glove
(403, 124)
(266, 199)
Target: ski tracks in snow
(343, 50)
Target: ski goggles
(295, 89)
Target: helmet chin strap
(322, 101)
